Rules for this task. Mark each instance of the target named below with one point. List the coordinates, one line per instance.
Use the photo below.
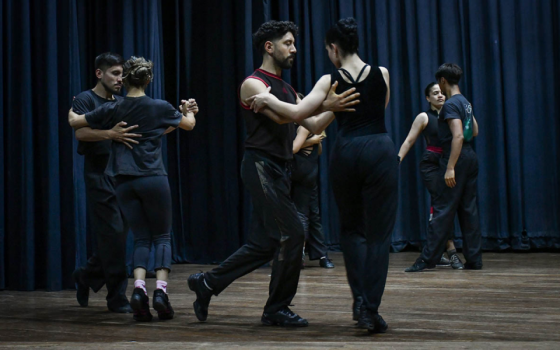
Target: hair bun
(138, 71)
(348, 26)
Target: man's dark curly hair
(272, 30)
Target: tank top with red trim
(262, 132)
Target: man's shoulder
(85, 95)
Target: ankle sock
(161, 285)
(451, 252)
(141, 284)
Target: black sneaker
(82, 290)
(203, 295)
(443, 261)
(456, 262)
(162, 305)
(419, 265)
(378, 324)
(326, 263)
(140, 303)
(283, 318)
(356, 306)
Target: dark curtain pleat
(203, 50)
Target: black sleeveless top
(369, 117)
(262, 132)
(431, 131)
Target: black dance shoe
(140, 304)
(283, 318)
(443, 261)
(419, 265)
(123, 309)
(82, 290)
(356, 306)
(456, 262)
(378, 324)
(364, 320)
(326, 263)
(162, 305)
(203, 295)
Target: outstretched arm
(252, 87)
(418, 126)
(321, 99)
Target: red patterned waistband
(434, 149)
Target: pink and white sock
(161, 285)
(141, 284)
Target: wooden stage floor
(514, 303)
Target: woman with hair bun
(142, 187)
(363, 169)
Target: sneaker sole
(270, 323)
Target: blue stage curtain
(507, 48)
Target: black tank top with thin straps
(431, 131)
(263, 133)
(369, 117)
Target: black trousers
(108, 264)
(460, 200)
(364, 174)
(431, 175)
(305, 194)
(146, 205)
(276, 232)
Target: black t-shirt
(153, 118)
(457, 107)
(85, 102)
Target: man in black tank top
(104, 219)
(276, 231)
(458, 177)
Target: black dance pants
(461, 201)
(431, 175)
(276, 232)
(364, 174)
(146, 204)
(108, 264)
(305, 194)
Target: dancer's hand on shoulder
(259, 101)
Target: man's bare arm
(456, 126)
